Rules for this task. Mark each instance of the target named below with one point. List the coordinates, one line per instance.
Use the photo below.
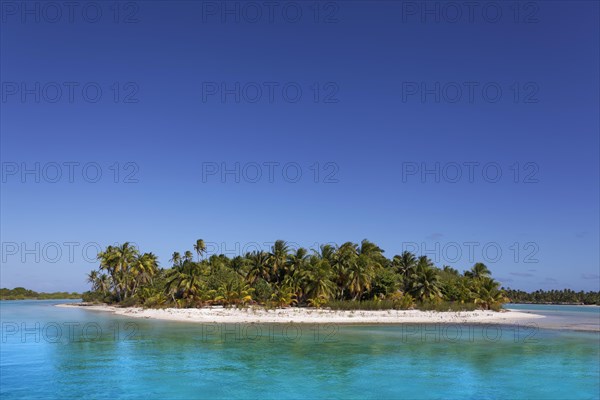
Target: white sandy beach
(312, 315)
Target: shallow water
(562, 316)
(73, 352)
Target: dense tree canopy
(20, 293)
(345, 276)
(565, 296)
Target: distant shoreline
(313, 315)
(20, 293)
(523, 303)
(42, 298)
(558, 304)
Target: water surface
(562, 316)
(100, 355)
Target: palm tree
(345, 257)
(347, 272)
(117, 260)
(232, 291)
(125, 256)
(479, 270)
(143, 269)
(425, 285)
(175, 258)
(360, 275)
(423, 263)
(405, 264)
(318, 280)
(297, 261)
(238, 264)
(487, 294)
(450, 271)
(200, 247)
(93, 279)
(185, 281)
(283, 296)
(326, 252)
(278, 259)
(295, 273)
(258, 263)
(107, 259)
(103, 283)
(370, 250)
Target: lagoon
(52, 352)
(557, 316)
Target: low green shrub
(446, 306)
(385, 304)
(96, 297)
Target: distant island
(20, 293)
(350, 276)
(564, 296)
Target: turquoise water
(562, 317)
(107, 356)
(595, 310)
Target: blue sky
(372, 95)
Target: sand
(313, 315)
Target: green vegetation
(350, 276)
(565, 296)
(20, 293)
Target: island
(349, 282)
(20, 293)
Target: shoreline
(557, 304)
(313, 316)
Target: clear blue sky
(377, 122)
